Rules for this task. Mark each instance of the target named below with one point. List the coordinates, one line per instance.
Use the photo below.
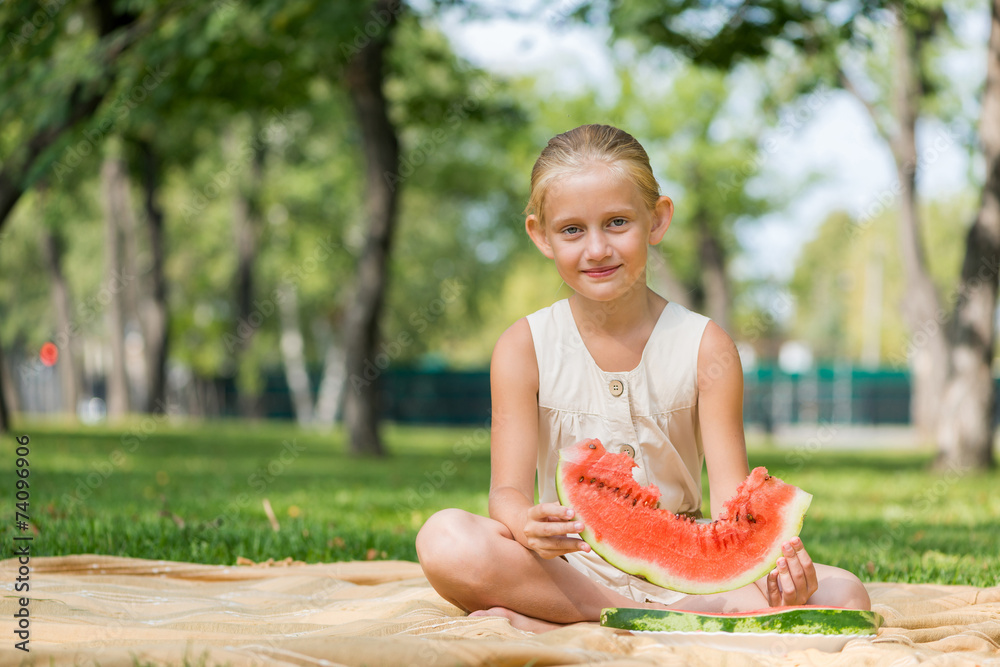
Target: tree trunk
(133, 297)
(713, 273)
(331, 387)
(381, 147)
(921, 304)
(966, 426)
(117, 204)
(922, 308)
(69, 371)
(6, 387)
(247, 226)
(293, 355)
(154, 314)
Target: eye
(617, 222)
(571, 230)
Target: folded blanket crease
(110, 611)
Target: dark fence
(771, 397)
(829, 394)
(842, 395)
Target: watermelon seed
(616, 490)
(634, 501)
(581, 478)
(751, 519)
(593, 479)
(600, 485)
(592, 446)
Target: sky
(837, 140)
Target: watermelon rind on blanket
(790, 620)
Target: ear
(663, 213)
(537, 233)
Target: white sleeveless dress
(651, 412)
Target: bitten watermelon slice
(623, 525)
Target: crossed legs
(475, 563)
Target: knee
(856, 595)
(444, 540)
(840, 588)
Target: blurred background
(312, 211)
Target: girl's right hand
(547, 528)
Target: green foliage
(195, 492)
(837, 271)
(209, 86)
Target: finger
(786, 583)
(553, 547)
(773, 592)
(546, 529)
(808, 567)
(555, 528)
(797, 574)
(550, 512)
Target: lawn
(197, 492)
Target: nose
(597, 246)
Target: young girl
(614, 361)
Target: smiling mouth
(601, 271)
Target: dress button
(629, 449)
(616, 387)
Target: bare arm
(720, 414)
(514, 450)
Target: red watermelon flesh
(623, 525)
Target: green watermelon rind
(798, 620)
(676, 582)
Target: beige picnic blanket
(101, 610)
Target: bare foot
(519, 621)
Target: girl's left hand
(793, 580)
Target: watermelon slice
(623, 525)
(790, 620)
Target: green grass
(196, 492)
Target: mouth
(601, 271)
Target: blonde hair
(573, 151)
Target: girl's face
(598, 230)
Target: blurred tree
(53, 244)
(849, 288)
(960, 357)
(296, 151)
(5, 386)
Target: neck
(627, 313)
